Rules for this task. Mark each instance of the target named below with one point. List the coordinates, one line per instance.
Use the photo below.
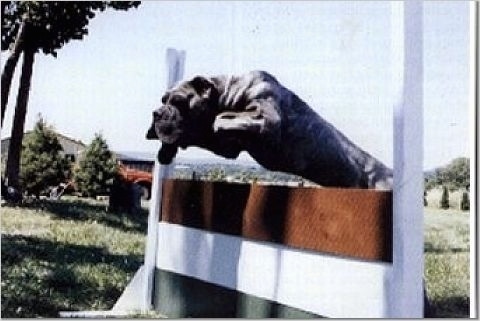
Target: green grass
(447, 261)
(73, 255)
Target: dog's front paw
(166, 153)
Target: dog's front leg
(166, 153)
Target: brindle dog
(255, 113)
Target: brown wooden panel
(348, 222)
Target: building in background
(71, 147)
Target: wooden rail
(347, 222)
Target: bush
(96, 169)
(42, 165)
(465, 202)
(444, 202)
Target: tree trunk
(15, 147)
(9, 68)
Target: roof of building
(135, 156)
(58, 134)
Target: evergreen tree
(96, 168)
(444, 201)
(42, 164)
(465, 202)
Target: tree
(42, 162)
(465, 202)
(456, 175)
(96, 168)
(29, 27)
(444, 201)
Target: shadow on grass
(39, 278)
(429, 247)
(82, 210)
(451, 307)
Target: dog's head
(186, 118)
(187, 112)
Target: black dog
(255, 113)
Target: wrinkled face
(186, 115)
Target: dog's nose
(151, 133)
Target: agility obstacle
(247, 250)
(240, 250)
(229, 250)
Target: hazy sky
(334, 55)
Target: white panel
(321, 284)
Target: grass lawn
(447, 261)
(72, 255)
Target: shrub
(444, 202)
(96, 169)
(465, 202)
(42, 164)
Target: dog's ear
(203, 86)
(165, 97)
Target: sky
(335, 55)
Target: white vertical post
(474, 107)
(175, 63)
(406, 286)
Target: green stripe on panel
(179, 296)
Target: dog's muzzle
(165, 125)
(151, 134)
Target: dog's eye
(180, 103)
(177, 101)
